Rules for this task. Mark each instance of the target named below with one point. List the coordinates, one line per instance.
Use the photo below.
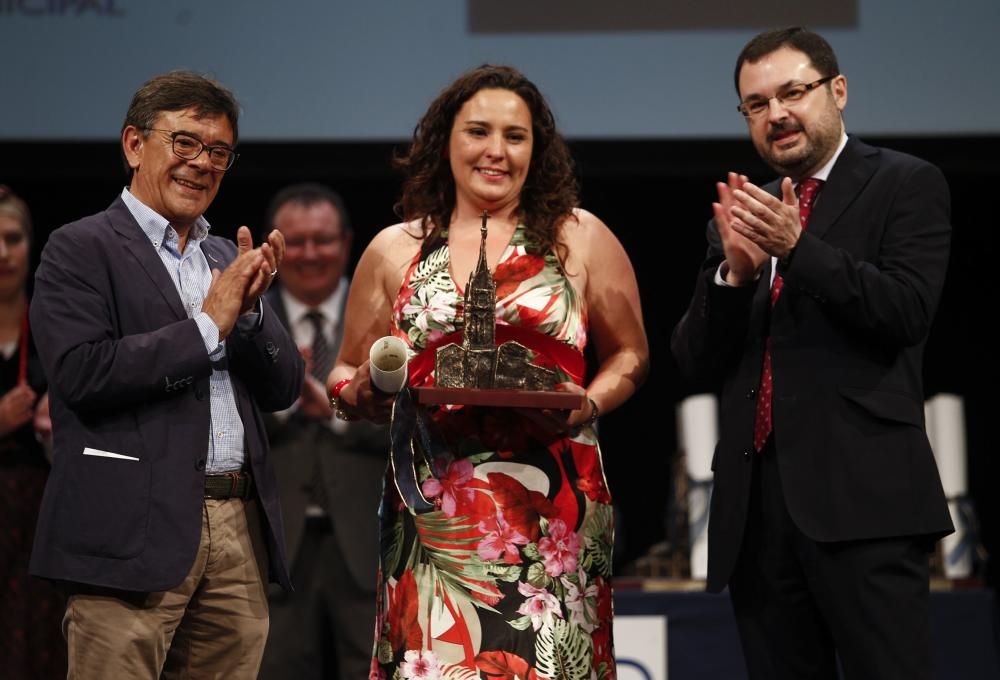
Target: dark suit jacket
(847, 334)
(352, 464)
(129, 374)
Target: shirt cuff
(720, 277)
(209, 333)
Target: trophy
(479, 372)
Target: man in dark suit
(813, 311)
(329, 471)
(161, 514)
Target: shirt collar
(155, 226)
(330, 307)
(824, 172)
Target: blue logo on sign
(628, 663)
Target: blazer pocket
(894, 406)
(106, 509)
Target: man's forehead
(785, 66)
(317, 214)
(195, 120)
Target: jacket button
(199, 392)
(751, 393)
(747, 453)
(199, 464)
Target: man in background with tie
(329, 471)
(811, 310)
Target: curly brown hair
(550, 189)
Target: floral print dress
(508, 576)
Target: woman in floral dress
(508, 574)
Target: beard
(814, 148)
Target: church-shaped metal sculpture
(478, 362)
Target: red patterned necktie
(807, 191)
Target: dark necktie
(322, 362)
(807, 191)
(322, 356)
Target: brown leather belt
(228, 485)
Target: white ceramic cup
(388, 364)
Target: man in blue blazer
(812, 309)
(161, 513)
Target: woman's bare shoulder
(584, 234)
(396, 235)
(584, 223)
(395, 244)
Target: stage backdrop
(349, 70)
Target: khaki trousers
(213, 625)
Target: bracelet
(335, 403)
(595, 412)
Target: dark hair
(15, 207)
(813, 45)
(176, 91)
(307, 195)
(550, 190)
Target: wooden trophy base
(499, 398)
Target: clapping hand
(744, 258)
(770, 223)
(237, 289)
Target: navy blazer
(848, 335)
(129, 376)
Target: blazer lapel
(760, 309)
(217, 257)
(852, 171)
(138, 244)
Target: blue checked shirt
(192, 276)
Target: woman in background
(31, 642)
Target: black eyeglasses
(188, 147)
(755, 106)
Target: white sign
(641, 647)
